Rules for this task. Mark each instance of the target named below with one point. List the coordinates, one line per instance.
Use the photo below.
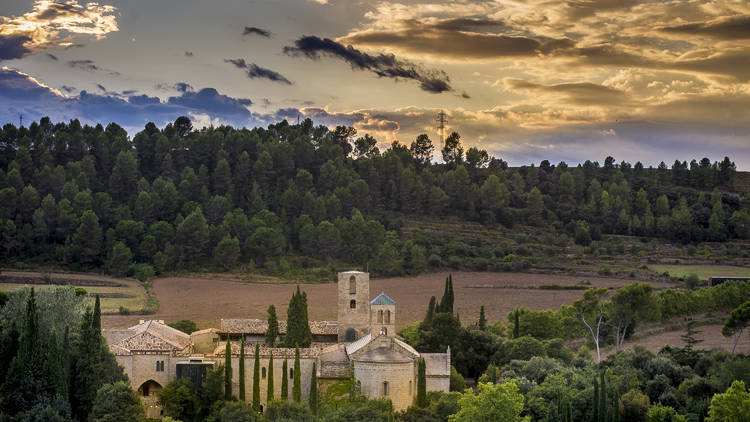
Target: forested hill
(90, 197)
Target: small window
(353, 304)
(263, 372)
(385, 388)
(388, 317)
(291, 373)
(352, 285)
(410, 393)
(383, 331)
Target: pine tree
(270, 391)
(242, 370)
(284, 382)
(482, 319)
(272, 333)
(314, 391)
(689, 336)
(256, 379)
(421, 384)
(86, 243)
(297, 388)
(228, 372)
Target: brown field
(207, 301)
(710, 334)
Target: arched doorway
(149, 393)
(351, 335)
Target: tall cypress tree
(55, 372)
(517, 323)
(430, 311)
(256, 379)
(314, 391)
(596, 400)
(297, 389)
(242, 370)
(298, 328)
(228, 372)
(65, 364)
(285, 382)
(603, 411)
(482, 319)
(270, 392)
(96, 322)
(451, 297)
(272, 333)
(421, 383)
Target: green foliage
(297, 388)
(142, 272)
(228, 372)
(256, 379)
(634, 406)
(457, 382)
(177, 400)
(493, 402)
(120, 260)
(270, 391)
(738, 320)
(284, 411)
(185, 325)
(272, 332)
(284, 382)
(421, 398)
(227, 252)
(659, 413)
(233, 411)
(117, 403)
(298, 332)
(313, 398)
(732, 405)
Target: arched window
(383, 331)
(352, 285)
(380, 317)
(388, 317)
(263, 372)
(385, 388)
(351, 335)
(353, 304)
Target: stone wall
(438, 383)
(401, 379)
(357, 318)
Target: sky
(527, 80)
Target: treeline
(178, 198)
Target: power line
(441, 121)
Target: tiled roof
(382, 299)
(353, 347)
(259, 326)
(383, 355)
(278, 352)
(148, 336)
(437, 364)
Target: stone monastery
(363, 340)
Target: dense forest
(86, 197)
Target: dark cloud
(254, 71)
(383, 65)
(251, 30)
(67, 88)
(189, 54)
(52, 56)
(89, 66)
(458, 38)
(183, 87)
(13, 47)
(19, 93)
(728, 28)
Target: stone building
(383, 365)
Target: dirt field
(710, 334)
(207, 301)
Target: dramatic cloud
(383, 65)
(53, 24)
(251, 30)
(728, 28)
(254, 71)
(21, 93)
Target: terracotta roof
(437, 364)
(278, 352)
(114, 335)
(150, 336)
(259, 326)
(205, 331)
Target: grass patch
(703, 271)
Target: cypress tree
(430, 311)
(55, 372)
(482, 319)
(421, 384)
(517, 323)
(270, 392)
(314, 391)
(228, 372)
(256, 379)
(242, 370)
(285, 382)
(30, 353)
(297, 389)
(451, 297)
(442, 306)
(603, 411)
(65, 364)
(272, 333)
(96, 322)
(596, 400)
(298, 328)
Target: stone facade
(383, 364)
(353, 305)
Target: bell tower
(383, 316)
(353, 305)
